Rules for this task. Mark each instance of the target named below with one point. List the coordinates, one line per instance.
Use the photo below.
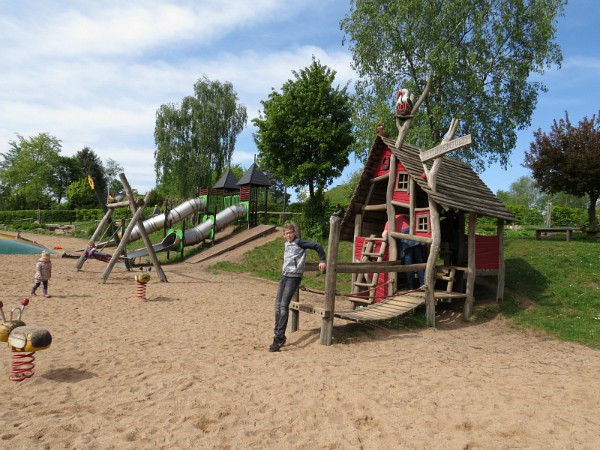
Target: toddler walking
(43, 273)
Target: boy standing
(294, 258)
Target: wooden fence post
(330, 282)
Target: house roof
(458, 187)
(254, 177)
(227, 181)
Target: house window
(402, 183)
(423, 224)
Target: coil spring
(141, 291)
(22, 366)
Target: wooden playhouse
(394, 181)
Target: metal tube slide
(202, 231)
(177, 214)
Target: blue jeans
(414, 255)
(287, 288)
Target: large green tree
(92, 166)
(195, 140)
(480, 53)
(567, 159)
(67, 171)
(28, 171)
(304, 132)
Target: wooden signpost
(445, 148)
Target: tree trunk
(593, 224)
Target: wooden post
(430, 271)
(294, 322)
(391, 213)
(330, 282)
(119, 250)
(99, 230)
(501, 265)
(471, 267)
(140, 223)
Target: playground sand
(189, 368)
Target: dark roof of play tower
(254, 177)
(458, 186)
(227, 181)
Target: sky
(93, 74)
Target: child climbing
(43, 273)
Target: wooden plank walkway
(384, 310)
(393, 306)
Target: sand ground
(189, 368)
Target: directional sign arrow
(445, 148)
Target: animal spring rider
(142, 279)
(23, 341)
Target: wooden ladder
(368, 281)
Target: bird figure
(404, 103)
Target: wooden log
(472, 264)
(330, 282)
(370, 267)
(117, 205)
(99, 230)
(294, 323)
(501, 264)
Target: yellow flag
(91, 181)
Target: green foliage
(195, 141)
(568, 160)
(526, 215)
(315, 216)
(28, 171)
(81, 195)
(568, 217)
(481, 58)
(92, 167)
(304, 133)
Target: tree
(28, 171)
(195, 141)
(305, 132)
(481, 56)
(80, 195)
(67, 171)
(92, 167)
(112, 169)
(523, 192)
(568, 160)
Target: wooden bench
(567, 230)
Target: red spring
(22, 366)
(141, 291)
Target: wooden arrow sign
(445, 148)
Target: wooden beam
(99, 230)
(330, 282)
(370, 267)
(472, 264)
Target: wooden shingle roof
(458, 186)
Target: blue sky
(94, 73)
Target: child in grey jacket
(294, 258)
